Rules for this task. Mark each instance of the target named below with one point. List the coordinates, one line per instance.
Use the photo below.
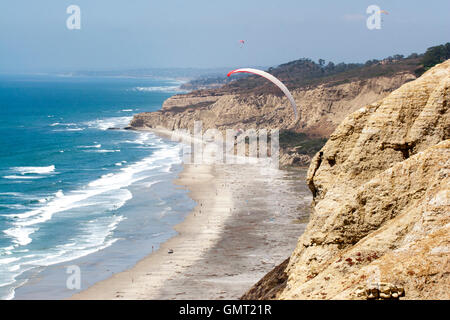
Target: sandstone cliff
(321, 108)
(380, 221)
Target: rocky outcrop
(380, 220)
(291, 157)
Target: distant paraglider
(241, 43)
(274, 80)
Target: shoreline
(225, 244)
(158, 266)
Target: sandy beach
(247, 220)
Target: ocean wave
(21, 236)
(164, 212)
(15, 177)
(90, 203)
(92, 240)
(68, 129)
(166, 89)
(102, 151)
(149, 184)
(96, 236)
(63, 124)
(14, 194)
(145, 138)
(14, 206)
(8, 260)
(107, 183)
(29, 173)
(34, 170)
(104, 124)
(94, 146)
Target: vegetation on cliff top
(304, 72)
(301, 142)
(433, 56)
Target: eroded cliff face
(321, 109)
(380, 221)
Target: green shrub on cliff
(433, 56)
(305, 73)
(301, 142)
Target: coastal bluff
(380, 220)
(321, 108)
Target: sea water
(74, 192)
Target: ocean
(73, 192)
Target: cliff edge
(380, 220)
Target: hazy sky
(118, 34)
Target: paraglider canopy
(274, 80)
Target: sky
(117, 34)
